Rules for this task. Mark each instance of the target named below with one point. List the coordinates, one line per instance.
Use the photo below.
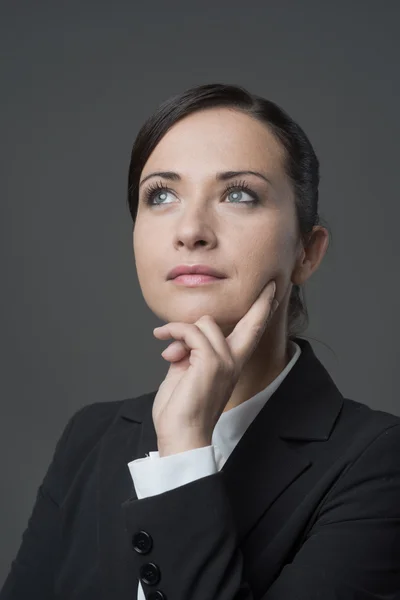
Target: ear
(311, 255)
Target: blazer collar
(304, 407)
(264, 462)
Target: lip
(194, 270)
(195, 279)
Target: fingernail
(275, 305)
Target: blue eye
(154, 191)
(237, 187)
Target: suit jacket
(306, 507)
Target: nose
(194, 228)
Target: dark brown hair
(301, 163)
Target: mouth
(195, 274)
(195, 279)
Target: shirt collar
(233, 423)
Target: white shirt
(154, 475)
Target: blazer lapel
(262, 465)
(265, 462)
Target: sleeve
(32, 571)
(153, 475)
(350, 553)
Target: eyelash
(157, 187)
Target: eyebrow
(222, 176)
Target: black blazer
(306, 507)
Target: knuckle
(236, 371)
(220, 365)
(257, 330)
(230, 366)
(205, 318)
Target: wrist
(177, 445)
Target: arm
(32, 571)
(154, 474)
(350, 553)
(353, 550)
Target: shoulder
(369, 439)
(91, 422)
(93, 419)
(363, 421)
(81, 440)
(368, 483)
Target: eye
(236, 189)
(153, 190)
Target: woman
(246, 474)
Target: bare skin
(195, 391)
(195, 221)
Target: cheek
(270, 255)
(145, 247)
(270, 250)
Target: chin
(225, 308)
(191, 315)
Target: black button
(142, 542)
(158, 595)
(150, 574)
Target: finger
(248, 331)
(188, 333)
(217, 339)
(175, 352)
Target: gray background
(77, 81)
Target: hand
(205, 367)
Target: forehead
(215, 139)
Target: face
(250, 235)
